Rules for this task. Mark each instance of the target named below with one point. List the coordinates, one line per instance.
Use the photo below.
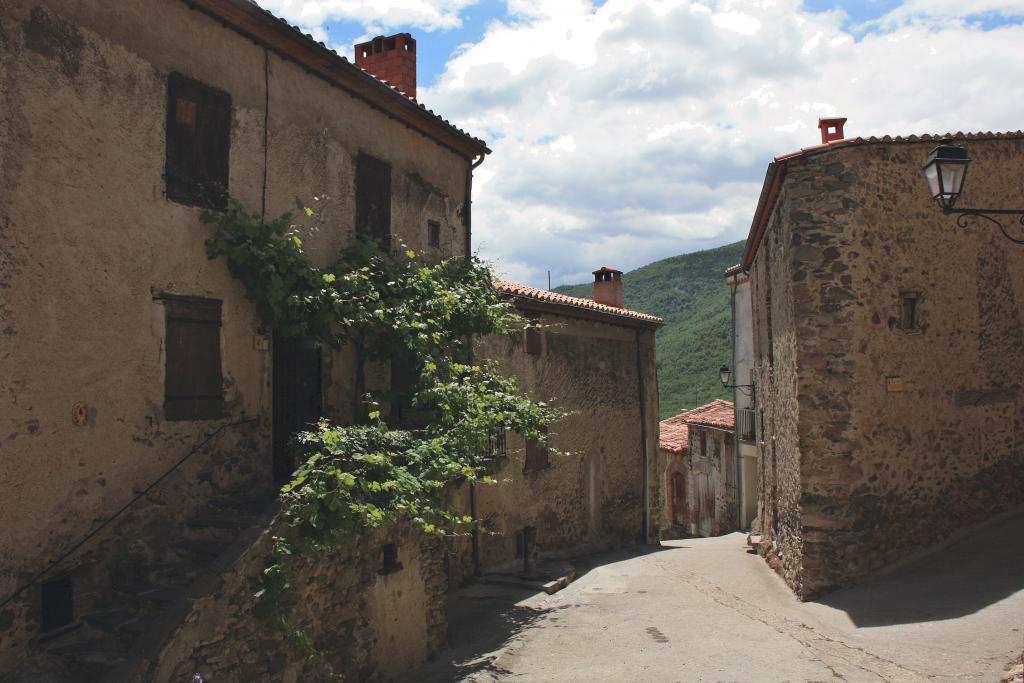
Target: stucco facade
(744, 396)
(887, 350)
(92, 251)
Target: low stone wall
(368, 625)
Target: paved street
(706, 610)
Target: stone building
(595, 360)
(744, 396)
(146, 408)
(698, 469)
(125, 349)
(887, 353)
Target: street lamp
(945, 170)
(724, 374)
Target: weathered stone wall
(890, 466)
(368, 625)
(592, 497)
(710, 467)
(87, 238)
(775, 368)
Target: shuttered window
(192, 381)
(198, 143)
(537, 457)
(373, 199)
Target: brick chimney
(831, 129)
(608, 287)
(391, 59)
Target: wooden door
(297, 399)
(705, 504)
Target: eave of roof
(541, 300)
(719, 414)
(777, 171)
(287, 41)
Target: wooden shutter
(537, 457)
(373, 199)
(198, 143)
(192, 384)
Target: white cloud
(380, 14)
(640, 129)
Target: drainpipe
(467, 221)
(740, 497)
(643, 441)
(467, 218)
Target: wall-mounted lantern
(945, 170)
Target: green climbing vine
(385, 307)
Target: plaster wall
(592, 497)
(904, 435)
(87, 238)
(744, 399)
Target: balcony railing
(747, 424)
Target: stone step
(126, 621)
(202, 548)
(225, 519)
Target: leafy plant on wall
(384, 306)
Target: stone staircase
(142, 608)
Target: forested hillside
(690, 293)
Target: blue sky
(625, 131)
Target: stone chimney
(390, 59)
(831, 129)
(608, 287)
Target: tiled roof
(777, 171)
(674, 432)
(563, 300)
(228, 12)
(900, 139)
(674, 436)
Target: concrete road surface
(707, 610)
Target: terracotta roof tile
(341, 60)
(674, 436)
(555, 298)
(675, 430)
(887, 139)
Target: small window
(434, 234)
(56, 604)
(198, 143)
(373, 199)
(389, 559)
(496, 444)
(910, 312)
(703, 443)
(192, 380)
(537, 456)
(533, 339)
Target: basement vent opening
(56, 604)
(389, 559)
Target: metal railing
(139, 496)
(747, 424)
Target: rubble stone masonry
(882, 434)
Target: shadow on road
(961, 579)
(483, 618)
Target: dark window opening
(198, 143)
(373, 199)
(434, 234)
(537, 456)
(496, 444)
(56, 604)
(910, 312)
(704, 443)
(192, 378)
(389, 44)
(533, 339)
(405, 374)
(520, 542)
(389, 559)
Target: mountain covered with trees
(690, 293)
